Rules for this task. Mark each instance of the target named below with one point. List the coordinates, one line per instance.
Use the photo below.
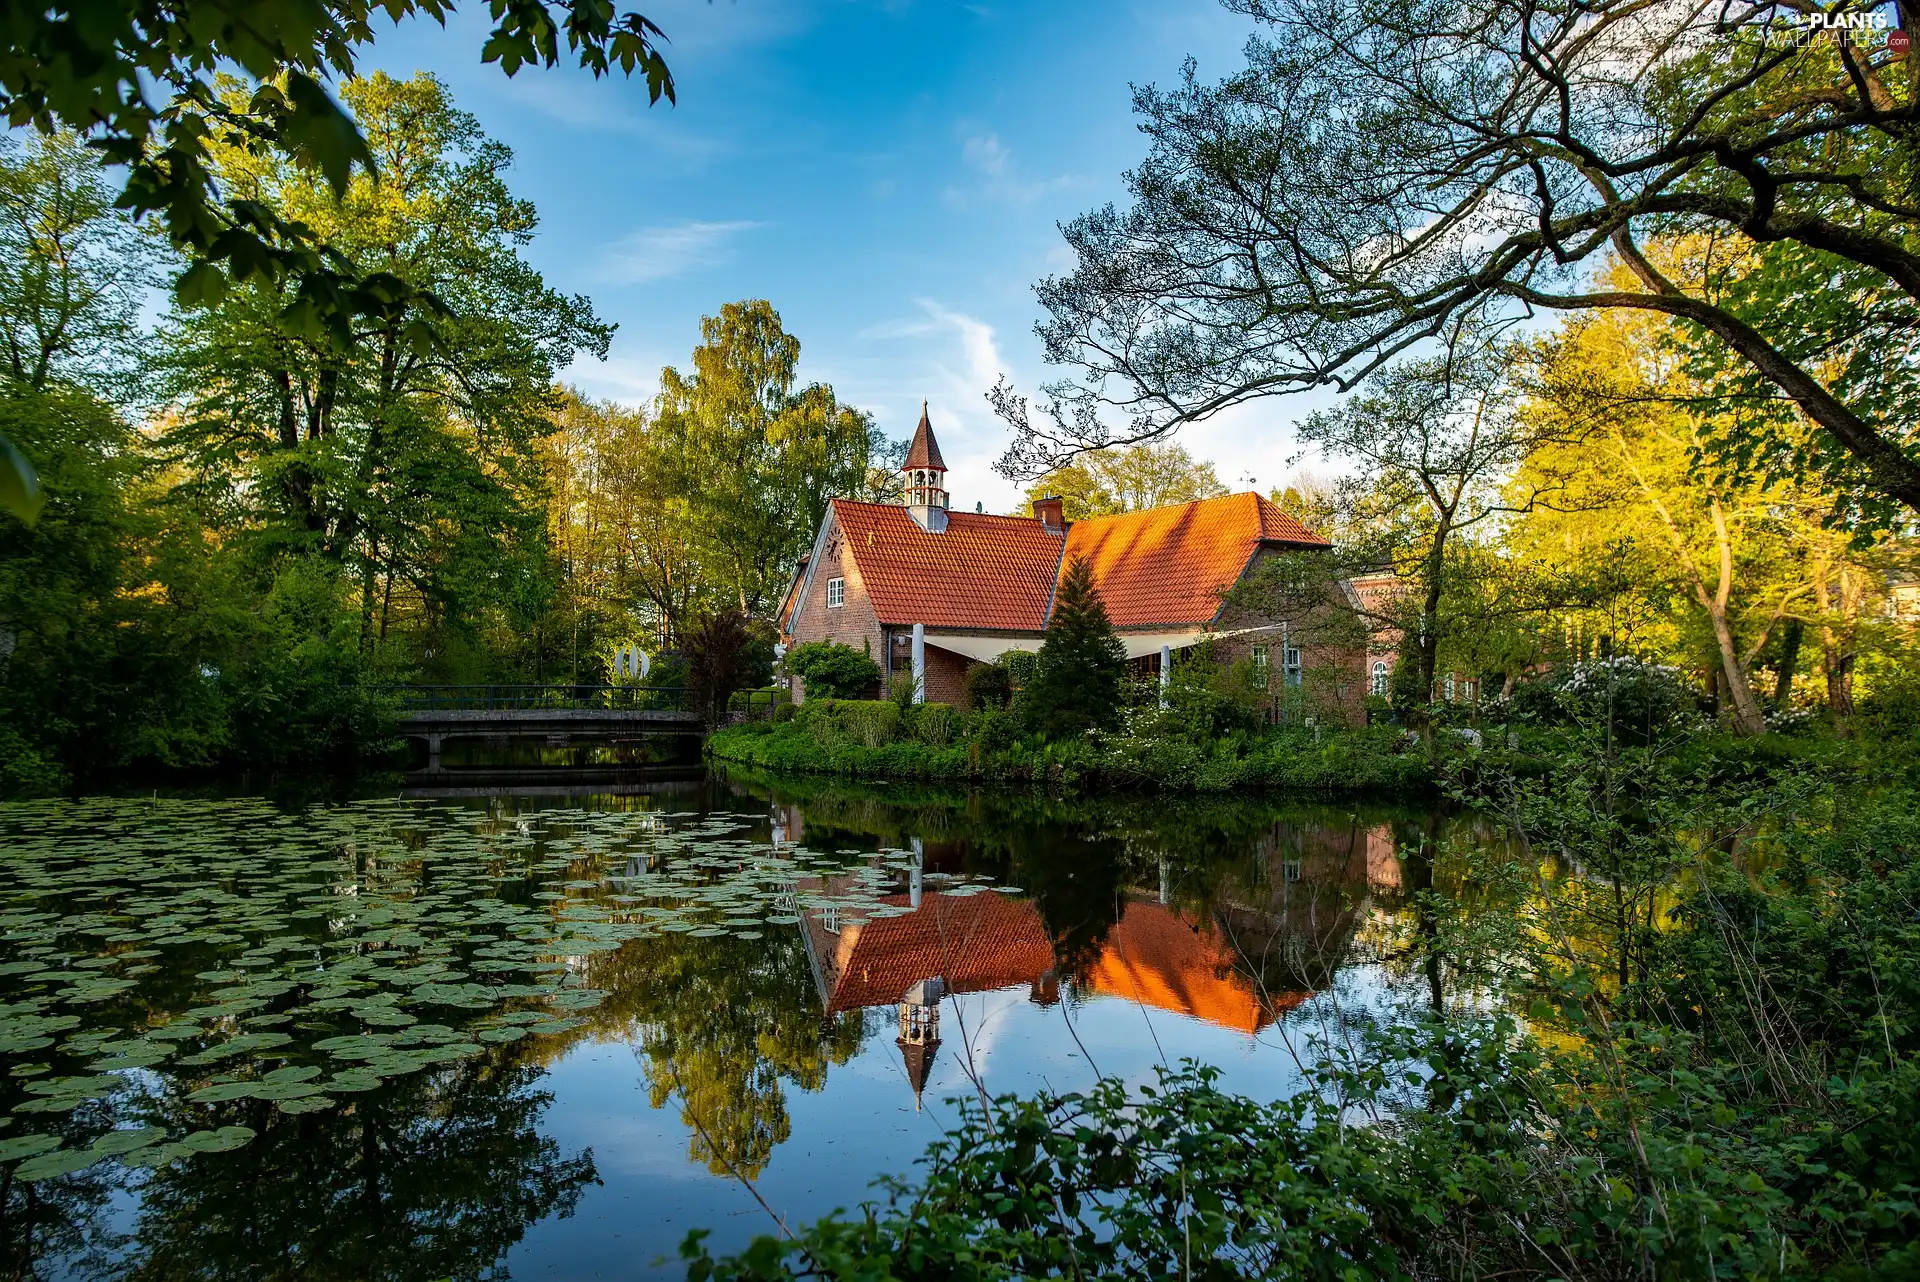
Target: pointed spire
(924, 452)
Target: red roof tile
(993, 572)
(978, 944)
(1169, 565)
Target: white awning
(986, 648)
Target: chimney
(1047, 511)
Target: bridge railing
(507, 698)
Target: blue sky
(889, 174)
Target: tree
(410, 468)
(72, 267)
(832, 670)
(756, 459)
(1727, 547)
(1080, 681)
(722, 656)
(1134, 479)
(71, 270)
(1435, 438)
(1378, 171)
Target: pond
(545, 1036)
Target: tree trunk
(1789, 661)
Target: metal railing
(531, 698)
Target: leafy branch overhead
(1378, 170)
(139, 82)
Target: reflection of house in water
(950, 944)
(1294, 926)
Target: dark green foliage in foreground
(1080, 681)
(832, 670)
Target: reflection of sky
(862, 1124)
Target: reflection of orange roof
(976, 943)
(993, 572)
(1155, 957)
(1170, 564)
(989, 941)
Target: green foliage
(832, 670)
(1080, 677)
(142, 80)
(987, 685)
(755, 457)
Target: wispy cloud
(656, 253)
(980, 362)
(996, 176)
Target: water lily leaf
(224, 1140)
(27, 1146)
(114, 1143)
(307, 1104)
(49, 1166)
(223, 1091)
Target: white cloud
(986, 154)
(999, 176)
(656, 253)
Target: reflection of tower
(916, 873)
(919, 1038)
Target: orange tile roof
(1169, 565)
(977, 943)
(990, 572)
(1166, 566)
(1157, 958)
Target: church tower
(925, 475)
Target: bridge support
(433, 754)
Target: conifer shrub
(1079, 682)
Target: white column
(1166, 673)
(914, 874)
(919, 663)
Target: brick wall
(852, 624)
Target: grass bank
(862, 739)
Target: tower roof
(924, 452)
(919, 1060)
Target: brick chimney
(1047, 512)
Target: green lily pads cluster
(176, 974)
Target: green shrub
(988, 685)
(870, 722)
(833, 670)
(935, 723)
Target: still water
(543, 1036)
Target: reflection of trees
(434, 1175)
(57, 1228)
(724, 1023)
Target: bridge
(552, 716)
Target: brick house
(930, 592)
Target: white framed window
(1449, 687)
(1262, 666)
(1291, 657)
(1380, 676)
(836, 593)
